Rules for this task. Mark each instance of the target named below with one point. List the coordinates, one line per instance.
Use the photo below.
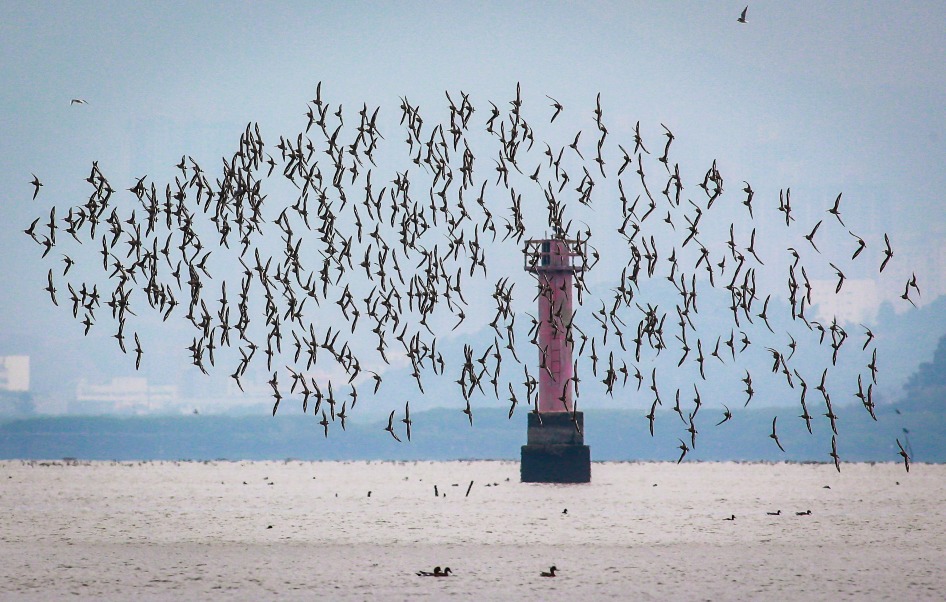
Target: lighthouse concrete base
(555, 451)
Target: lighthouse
(555, 451)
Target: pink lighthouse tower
(555, 451)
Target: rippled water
(297, 530)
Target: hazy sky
(843, 97)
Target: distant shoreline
(445, 435)
(77, 462)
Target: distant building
(15, 397)
(15, 373)
(857, 302)
(126, 395)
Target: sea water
(361, 530)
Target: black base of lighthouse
(555, 451)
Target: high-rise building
(15, 373)
(125, 395)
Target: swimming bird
(776, 513)
(437, 572)
(550, 572)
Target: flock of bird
(309, 258)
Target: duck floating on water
(436, 573)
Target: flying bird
(742, 17)
(407, 419)
(727, 416)
(840, 275)
(906, 294)
(556, 105)
(69, 263)
(774, 436)
(131, 250)
(31, 231)
(860, 245)
(906, 457)
(51, 289)
(650, 417)
(888, 253)
(834, 453)
(810, 237)
(36, 185)
(78, 101)
(835, 211)
(324, 422)
(870, 337)
(138, 352)
(390, 427)
(683, 448)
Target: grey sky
(844, 97)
